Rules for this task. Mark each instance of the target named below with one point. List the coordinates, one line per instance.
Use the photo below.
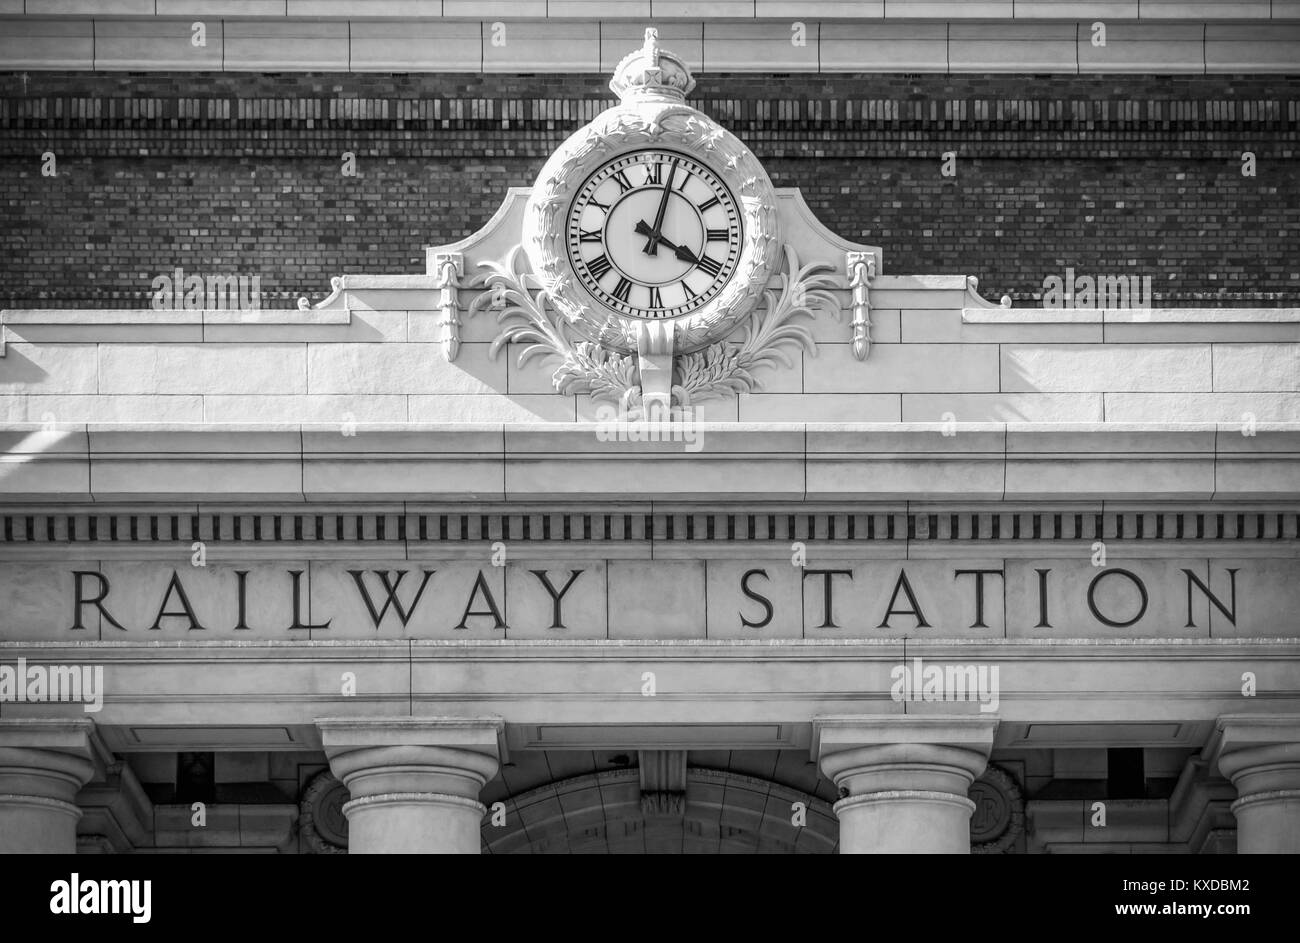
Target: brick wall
(225, 173)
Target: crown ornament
(652, 74)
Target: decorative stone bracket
(449, 269)
(861, 268)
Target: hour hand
(682, 252)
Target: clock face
(654, 234)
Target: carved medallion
(999, 816)
(321, 821)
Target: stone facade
(453, 560)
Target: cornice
(756, 463)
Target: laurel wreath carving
(621, 129)
(770, 336)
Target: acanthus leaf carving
(770, 336)
(530, 318)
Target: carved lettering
(557, 598)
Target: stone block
(1259, 601)
(887, 47)
(1143, 48)
(1089, 10)
(30, 591)
(89, 8)
(1202, 407)
(559, 46)
(759, 47)
(1101, 462)
(948, 9)
(584, 605)
(1205, 10)
(903, 463)
(1002, 407)
(659, 599)
(402, 368)
(1271, 368)
(707, 9)
(219, 8)
(503, 9)
(341, 410)
(1104, 368)
(91, 407)
(49, 368)
(819, 407)
(271, 46)
(885, 327)
(605, 10)
(828, 9)
(754, 599)
(156, 44)
(203, 368)
(230, 462)
(372, 8)
(525, 407)
(460, 460)
(37, 464)
(1012, 47)
(904, 368)
(403, 46)
(1263, 466)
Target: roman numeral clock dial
(654, 234)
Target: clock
(652, 227)
(654, 234)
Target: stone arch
(605, 813)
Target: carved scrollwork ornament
(652, 84)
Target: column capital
(927, 751)
(834, 732)
(43, 764)
(57, 752)
(414, 782)
(903, 779)
(1260, 753)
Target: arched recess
(605, 813)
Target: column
(43, 764)
(903, 780)
(1260, 754)
(414, 782)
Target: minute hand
(655, 237)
